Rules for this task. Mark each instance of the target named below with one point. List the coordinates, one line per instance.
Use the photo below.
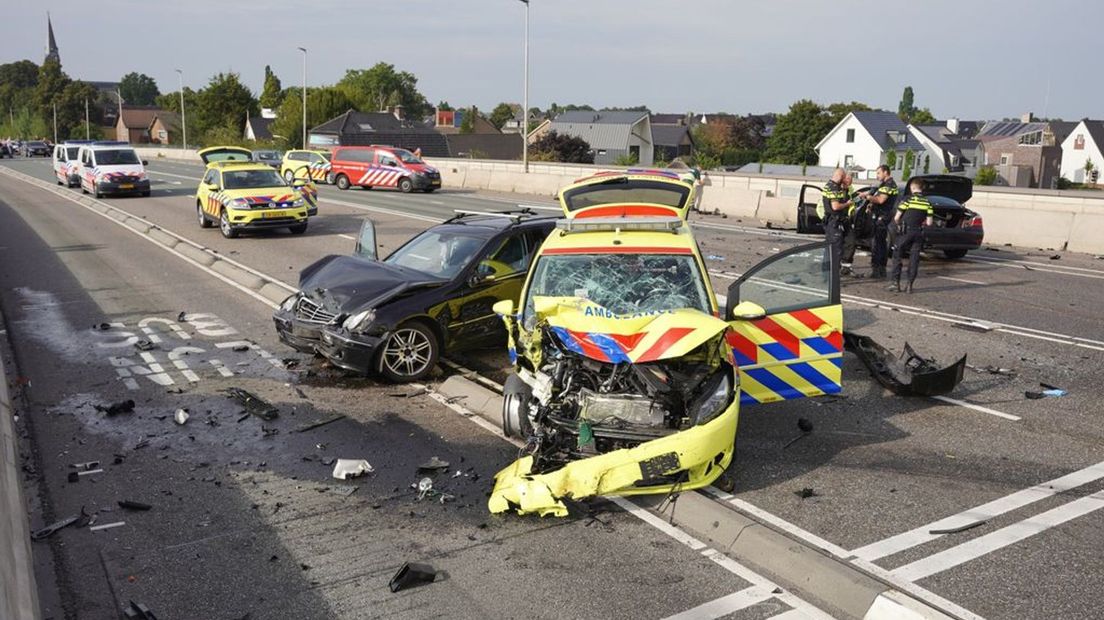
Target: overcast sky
(975, 59)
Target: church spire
(52, 48)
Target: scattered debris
(182, 317)
(715, 257)
(412, 575)
(806, 493)
(299, 392)
(133, 505)
(345, 490)
(101, 327)
(1047, 386)
(1046, 393)
(433, 464)
(174, 390)
(420, 392)
(976, 326)
(85, 466)
(290, 362)
(314, 425)
(253, 403)
(961, 528)
(144, 345)
(906, 375)
(425, 485)
(181, 416)
(241, 348)
(138, 611)
(351, 468)
(1055, 257)
(269, 431)
(74, 476)
(993, 370)
(123, 406)
(803, 425)
(106, 526)
(79, 520)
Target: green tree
(444, 106)
(891, 160)
(382, 86)
(910, 159)
(554, 146)
(797, 132)
(628, 159)
(322, 105)
(272, 92)
(467, 121)
(839, 110)
(223, 104)
(17, 83)
(501, 114)
(138, 89)
(923, 116)
(906, 108)
(986, 175)
(927, 163)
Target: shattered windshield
(625, 190)
(624, 284)
(439, 254)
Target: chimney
(1028, 117)
(952, 125)
(398, 112)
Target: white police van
(111, 168)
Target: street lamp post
(304, 50)
(525, 97)
(87, 127)
(55, 123)
(183, 121)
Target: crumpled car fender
(702, 451)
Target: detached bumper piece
(908, 374)
(695, 457)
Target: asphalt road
(883, 469)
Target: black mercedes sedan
(397, 316)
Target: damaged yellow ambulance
(627, 378)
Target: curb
(261, 286)
(474, 397)
(18, 590)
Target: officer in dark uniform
(882, 201)
(849, 233)
(912, 216)
(833, 211)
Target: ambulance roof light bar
(594, 224)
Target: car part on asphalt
(907, 374)
(106, 526)
(411, 575)
(133, 505)
(351, 468)
(314, 425)
(803, 425)
(79, 520)
(123, 406)
(433, 464)
(90, 465)
(181, 416)
(253, 404)
(138, 611)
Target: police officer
(882, 202)
(847, 258)
(832, 211)
(912, 216)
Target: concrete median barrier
(248, 280)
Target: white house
(1084, 143)
(863, 140)
(946, 149)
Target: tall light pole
(183, 121)
(525, 97)
(87, 127)
(55, 123)
(304, 50)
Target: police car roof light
(661, 224)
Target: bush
(986, 175)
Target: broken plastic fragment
(907, 374)
(351, 468)
(433, 464)
(181, 416)
(253, 403)
(79, 520)
(412, 574)
(123, 406)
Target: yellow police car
(302, 164)
(239, 194)
(628, 378)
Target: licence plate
(272, 214)
(435, 182)
(126, 186)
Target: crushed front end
(640, 404)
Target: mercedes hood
(344, 284)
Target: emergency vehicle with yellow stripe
(382, 166)
(239, 194)
(302, 164)
(628, 376)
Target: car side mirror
(213, 187)
(748, 311)
(504, 307)
(481, 277)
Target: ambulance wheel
(342, 182)
(225, 228)
(289, 176)
(406, 185)
(515, 408)
(298, 229)
(203, 221)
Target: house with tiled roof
(1025, 153)
(611, 134)
(134, 123)
(862, 141)
(1085, 143)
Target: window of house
(1079, 142)
(850, 136)
(848, 161)
(1006, 158)
(1031, 139)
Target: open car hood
(225, 153)
(590, 330)
(956, 188)
(345, 284)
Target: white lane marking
(947, 317)
(781, 524)
(1001, 538)
(1050, 265)
(962, 403)
(984, 512)
(718, 608)
(793, 614)
(169, 174)
(349, 237)
(963, 280)
(363, 207)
